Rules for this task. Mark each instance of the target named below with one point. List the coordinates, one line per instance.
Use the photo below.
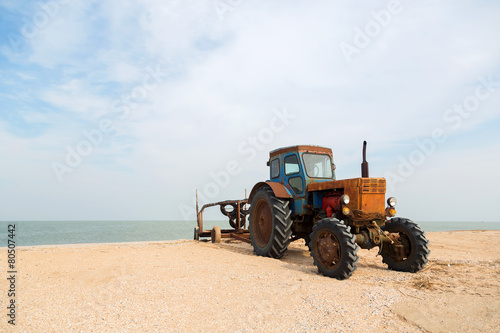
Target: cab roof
(301, 148)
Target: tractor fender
(279, 190)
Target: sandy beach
(188, 286)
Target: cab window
(291, 165)
(297, 184)
(275, 168)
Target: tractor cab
(297, 166)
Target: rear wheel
(412, 252)
(334, 249)
(270, 224)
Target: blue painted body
(296, 182)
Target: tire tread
(420, 258)
(281, 233)
(348, 262)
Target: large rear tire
(270, 224)
(334, 249)
(415, 251)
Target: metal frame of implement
(239, 232)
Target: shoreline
(30, 247)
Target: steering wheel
(316, 171)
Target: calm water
(76, 232)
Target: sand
(188, 286)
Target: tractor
(303, 200)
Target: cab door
(293, 174)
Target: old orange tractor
(304, 200)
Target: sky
(120, 110)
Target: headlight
(392, 202)
(344, 199)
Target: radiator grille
(373, 185)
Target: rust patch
(301, 149)
(279, 190)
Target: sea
(30, 233)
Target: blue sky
(121, 110)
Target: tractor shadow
(298, 258)
(297, 254)
(371, 259)
(237, 246)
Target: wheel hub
(401, 248)
(263, 223)
(328, 249)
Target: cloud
(223, 75)
(76, 96)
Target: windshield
(318, 165)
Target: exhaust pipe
(364, 165)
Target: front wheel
(411, 252)
(334, 249)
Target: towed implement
(304, 200)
